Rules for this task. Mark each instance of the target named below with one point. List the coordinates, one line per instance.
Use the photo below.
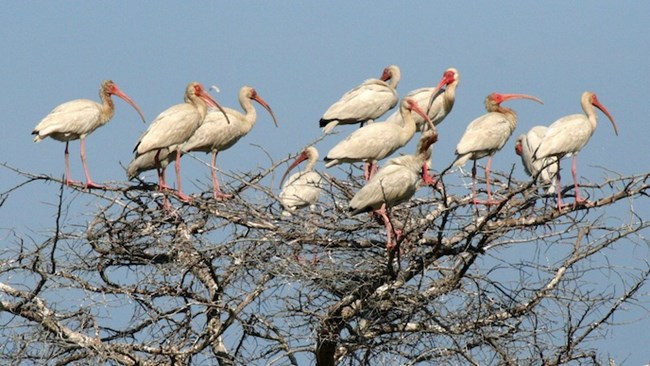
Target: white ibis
(173, 127)
(486, 135)
(376, 141)
(439, 101)
(544, 169)
(216, 134)
(78, 118)
(368, 101)
(147, 161)
(302, 189)
(394, 183)
(568, 135)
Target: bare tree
(235, 282)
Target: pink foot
(73, 183)
(90, 185)
(220, 196)
(183, 197)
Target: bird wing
(371, 142)
(565, 136)
(367, 101)
(173, 126)
(485, 134)
(436, 113)
(147, 161)
(301, 189)
(216, 133)
(75, 118)
(392, 185)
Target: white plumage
(302, 189)
(367, 101)
(569, 134)
(545, 169)
(440, 106)
(78, 118)
(487, 134)
(174, 126)
(397, 181)
(215, 133)
(377, 141)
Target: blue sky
(301, 56)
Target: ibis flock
(201, 124)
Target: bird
(216, 134)
(486, 135)
(147, 161)
(302, 189)
(368, 101)
(376, 141)
(568, 135)
(173, 127)
(543, 169)
(76, 119)
(438, 101)
(393, 184)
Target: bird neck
(394, 79)
(509, 114)
(408, 128)
(310, 165)
(199, 104)
(590, 111)
(108, 108)
(449, 97)
(250, 114)
(423, 153)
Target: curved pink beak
(413, 105)
(302, 157)
(261, 101)
(115, 90)
(207, 98)
(505, 97)
(602, 108)
(447, 78)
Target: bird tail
(461, 160)
(38, 137)
(328, 125)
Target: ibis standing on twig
(486, 135)
(393, 184)
(76, 119)
(173, 127)
(568, 135)
(376, 141)
(367, 101)
(215, 133)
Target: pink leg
(68, 181)
(179, 189)
(89, 181)
(369, 169)
(162, 185)
(574, 171)
(490, 201)
(391, 234)
(218, 194)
